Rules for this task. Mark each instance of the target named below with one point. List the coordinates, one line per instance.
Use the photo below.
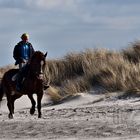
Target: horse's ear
(45, 54)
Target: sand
(84, 117)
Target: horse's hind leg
(32, 110)
(9, 104)
(12, 102)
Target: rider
(23, 51)
(22, 54)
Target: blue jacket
(18, 52)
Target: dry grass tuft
(132, 53)
(54, 94)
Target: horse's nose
(41, 72)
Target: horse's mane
(37, 55)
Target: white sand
(86, 117)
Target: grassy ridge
(114, 71)
(79, 72)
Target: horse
(32, 84)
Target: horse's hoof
(32, 111)
(39, 116)
(10, 116)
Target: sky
(64, 26)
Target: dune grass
(79, 72)
(114, 71)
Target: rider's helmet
(25, 36)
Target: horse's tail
(1, 91)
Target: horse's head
(37, 63)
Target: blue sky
(62, 26)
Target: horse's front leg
(32, 110)
(39, 98)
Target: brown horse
(33, 83)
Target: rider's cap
(25, 35)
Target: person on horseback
(22, 53)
